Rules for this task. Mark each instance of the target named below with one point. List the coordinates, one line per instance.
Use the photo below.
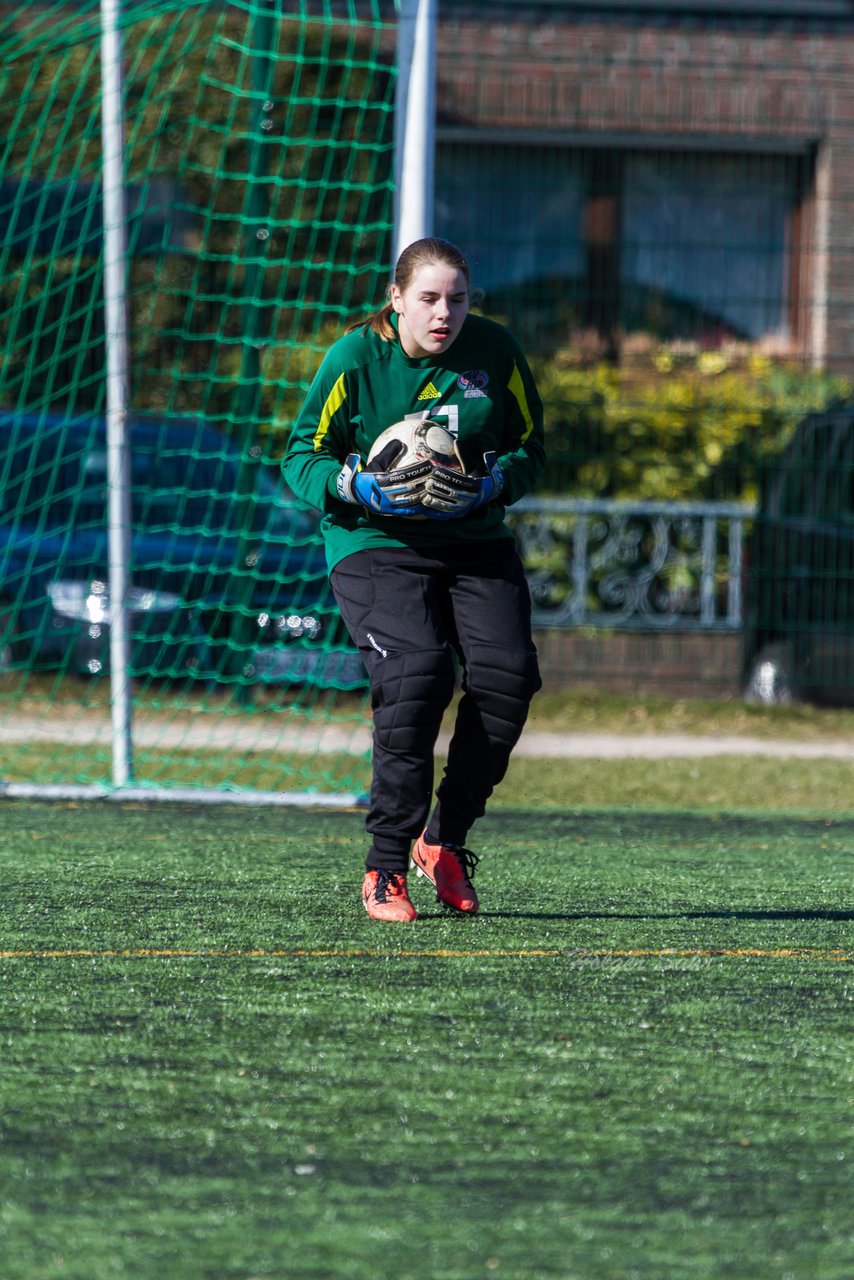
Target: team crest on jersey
(473, 383)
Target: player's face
(431, 308)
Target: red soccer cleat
(385, 897)
(450, 868)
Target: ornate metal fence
(631, 565)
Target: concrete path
(245, 735)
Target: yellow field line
(836, 954)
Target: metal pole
(115, 326)
(415, 122)
(262, 38)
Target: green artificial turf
(635, 1064)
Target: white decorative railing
(633, 565)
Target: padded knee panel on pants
(502, 683)
(409, 694)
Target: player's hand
(384, 493)
(449, 494)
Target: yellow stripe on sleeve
(517, 387)
(334, 401)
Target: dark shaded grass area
(550, 1090)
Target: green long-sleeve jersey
(481, 388)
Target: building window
(676, 244)
(516, 209)
(707, 234)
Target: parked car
(222, 586)
(799, 637)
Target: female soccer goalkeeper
(422, 564)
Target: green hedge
(699, 427)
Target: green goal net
(258, 180)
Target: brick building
(684, 170)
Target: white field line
(88, 731)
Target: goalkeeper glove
(384, 493)
(450, 494)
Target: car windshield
(199, 493)
(58, 478)
(40, 477)
(816, 479)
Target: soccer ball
(417, 440)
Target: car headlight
(90, 601)
(140, 600)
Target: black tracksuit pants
(415, 614)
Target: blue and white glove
(450, 494)
(384, 493)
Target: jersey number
(450, 411)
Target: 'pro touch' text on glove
(450, 494)
(385, 493)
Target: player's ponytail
(377, 322)
(420, 253)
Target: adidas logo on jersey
(429, 393)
